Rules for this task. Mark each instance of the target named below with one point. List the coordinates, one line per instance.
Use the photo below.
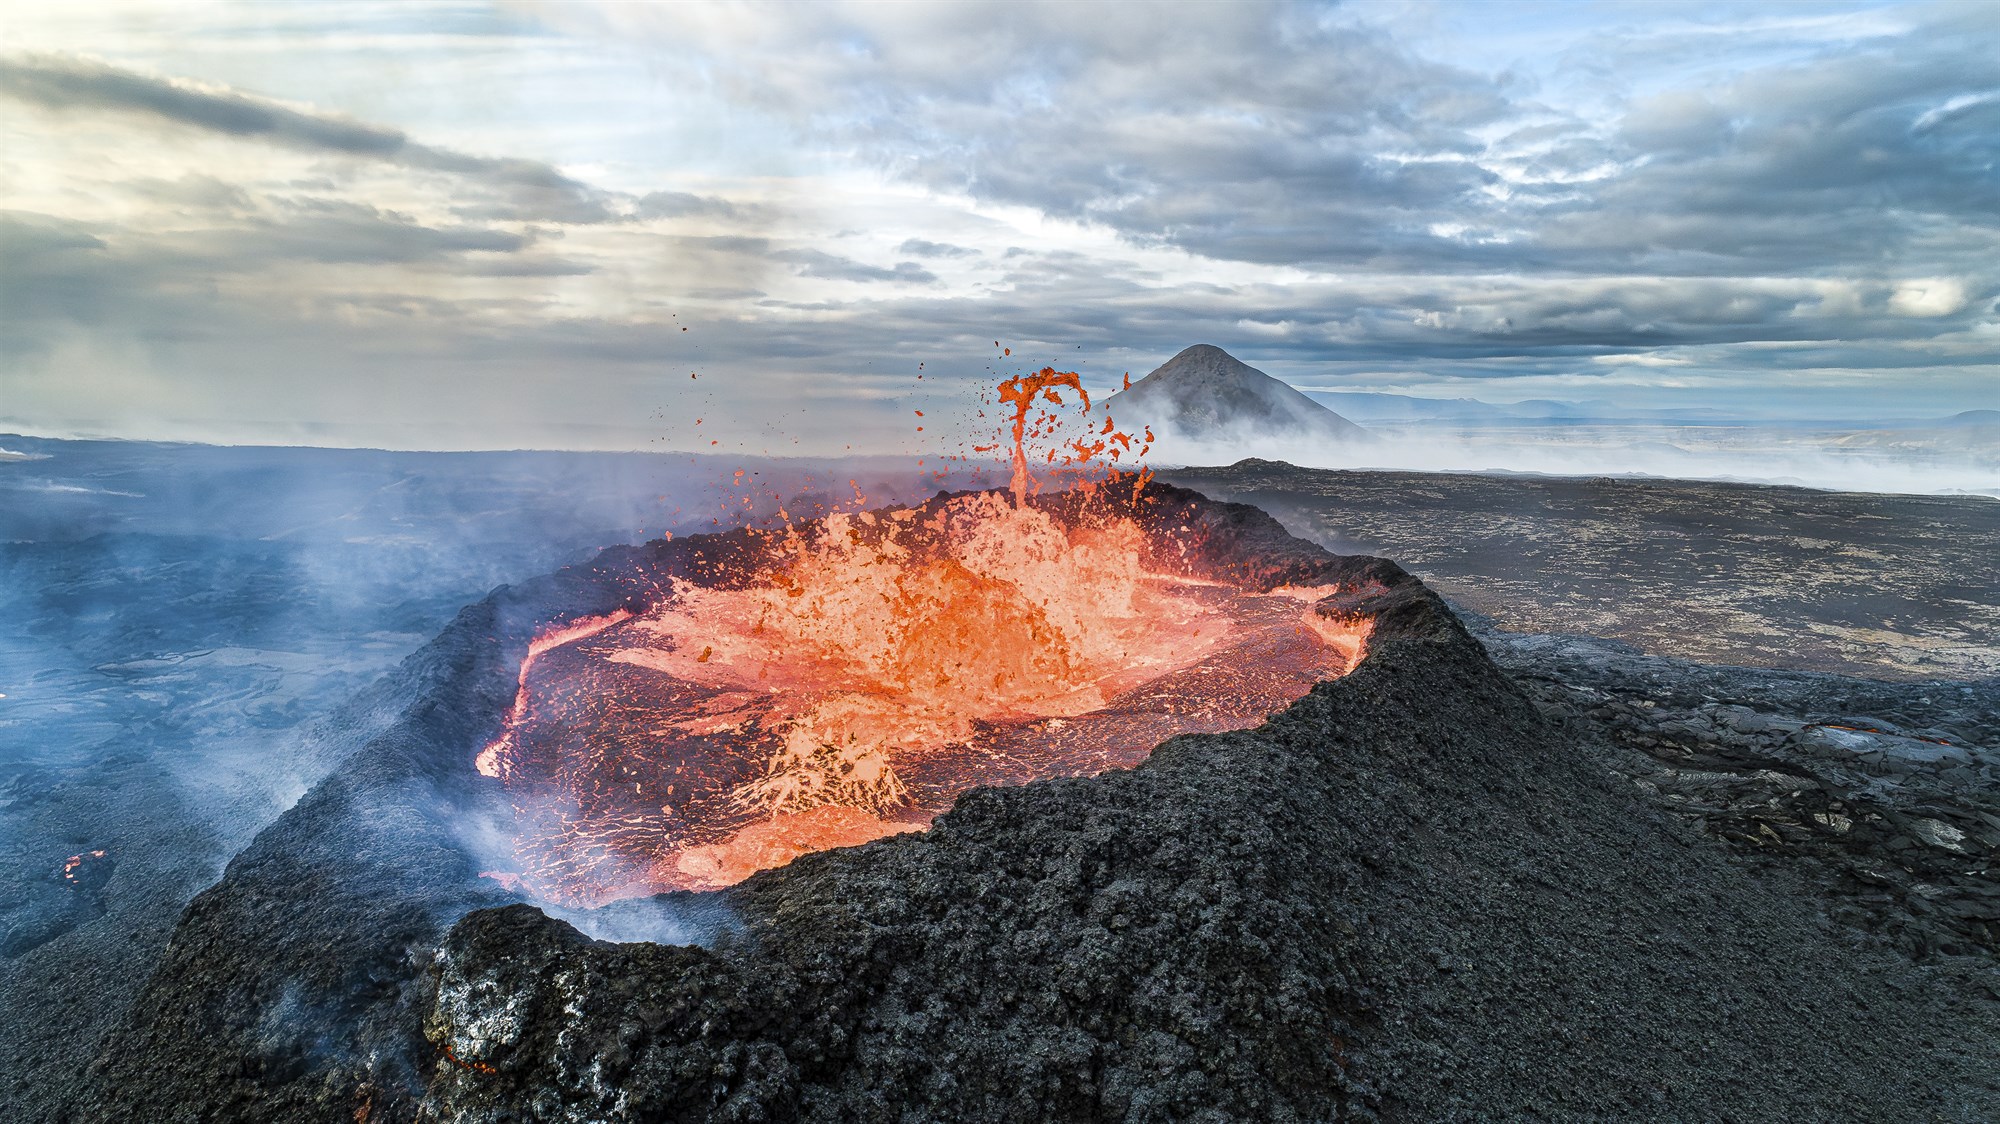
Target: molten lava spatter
(874, 666)
(1038, 391)
(1022, 393)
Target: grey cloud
(517, 266)
(523, 189)
(1256, 131)
(1466, 231)
(1274, 133)
(919, 248)
(1862, 164)
(26, 236)
(193, 191)
(62, 82)
(832, 267)
(679, 204)
(1051, 304)
(1813, 169)
(1439, 325)
(337, 231)
(62, 276)
(725, 243)
(56, 272)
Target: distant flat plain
(1862, 584)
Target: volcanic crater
(849, 678)
(1403, 895)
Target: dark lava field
(1804, 682)
(1882, 586)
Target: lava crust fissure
(1404, 897)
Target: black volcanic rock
(1403, 898)
(1408, 896)
(1881, 793)
(1205, 395)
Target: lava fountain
(835, 681)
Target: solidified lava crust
(1407, 896)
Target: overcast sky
(475, 226)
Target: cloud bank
(530, 225)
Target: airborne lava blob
(869, 667)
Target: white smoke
(1907, 462)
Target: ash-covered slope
(1206, 396)
(1407, 897)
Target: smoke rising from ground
(1893, 461)
(195, 629)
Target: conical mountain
(1205, 395)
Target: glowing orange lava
(492, 761)
(873, 666)
(71, 864)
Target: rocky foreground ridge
(1415, 894)
(1884, 796)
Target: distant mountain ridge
(1206, 395)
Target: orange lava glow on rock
(872, 666)
(492, 761)
(71, 864)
